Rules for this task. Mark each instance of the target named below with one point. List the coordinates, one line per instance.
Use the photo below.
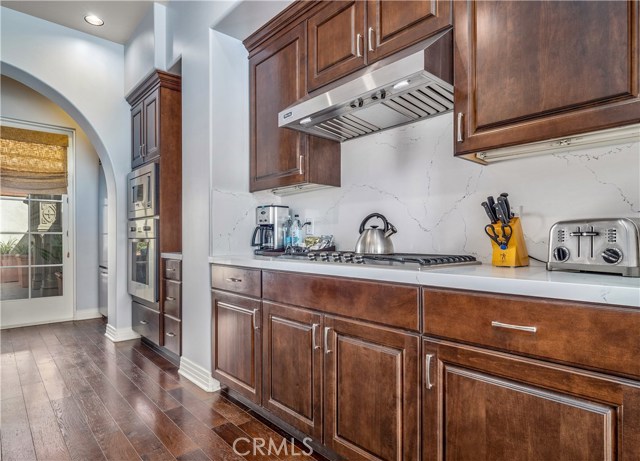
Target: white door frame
(15, 313)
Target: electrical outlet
(308, 229)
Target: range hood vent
(392, 95)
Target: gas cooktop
(395, 259)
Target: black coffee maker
(268, 234)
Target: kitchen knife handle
(489, 211)
(460, 138)
(314, 328)
(427, 371)
(371, 39)
(326, 340)
(358, 50)
(509, 326)
(255, 316)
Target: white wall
(22, 103)
(84, 75)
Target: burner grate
(423, 260)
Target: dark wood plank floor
(67, 392)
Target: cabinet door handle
(233, 280)
(459, 134)
(509, 326)
(370, 37)
(314, 327)
(169, 298)
(300, 163)
(144, 322)
(144, 151)
(427, 371)
(169, 269)
(326, 340)
(255, 322)
(171, 335)
(358, 50)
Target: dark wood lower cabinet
(371, 391)
(482, 405)
(292, 368)
(236, 351)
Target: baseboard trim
(123, 334)
(86, 314)
(198, 375)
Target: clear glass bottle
(286, 233)
(296, 232)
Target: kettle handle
(376, 215)
(392, 230)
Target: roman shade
(32, 162)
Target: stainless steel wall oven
(143, 259)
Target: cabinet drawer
(145, 322)
(173, 269)
(173, 298)
(172, 334)
(600, 337)
(386, 303)
(236, 279)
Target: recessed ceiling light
(93, 20)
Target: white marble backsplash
(409, 175)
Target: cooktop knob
(612, 255)
(561, 254)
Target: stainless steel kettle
(374, 240)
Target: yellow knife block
(515, 255)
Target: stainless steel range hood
(413, 88)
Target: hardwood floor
(67, 392)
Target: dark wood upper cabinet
(282, 157)
(394, 25)
(156, 115)
(528, 71)
(371, 389)
(488, 406)
(336, 42)
(292, 366)
(236, 349)
(346, 36)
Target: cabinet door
(292, 373)
(371, 391)
(530, 71)
(394, 25)
(336, 42)
(487, 406)
(137, 135)
(277, 80)
(235, 325)
(151, 147)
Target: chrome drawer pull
(171, 335)
(371, 39)
(326, 341)
(427, 371)
(144, 322)
(233, 280)
(255, 323)
(314, 327)
(169, 298)
(513, 327)
(358, 52)
(170, 269)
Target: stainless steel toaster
(596, 245)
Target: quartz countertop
(534, 280)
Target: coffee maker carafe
(268, 234)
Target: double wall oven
(143, 253)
